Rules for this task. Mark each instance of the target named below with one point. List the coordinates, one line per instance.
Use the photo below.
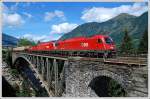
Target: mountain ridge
(136, 25)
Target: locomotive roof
(80, 38)
(75, 38)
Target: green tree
(126, 45)
(143, 45)
(26, 42)
(115, 89)
(24, 92)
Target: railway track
(142, 61)
(120, 60)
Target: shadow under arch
(105, 86)
(21, 60)
(22, 64)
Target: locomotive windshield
(108, 40)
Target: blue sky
(50, 20)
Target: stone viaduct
(77, 76)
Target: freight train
(98, 45)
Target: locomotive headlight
(47, 46)
(111, 47)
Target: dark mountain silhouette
(8, 40)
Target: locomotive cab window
(108, 40)
(99, 41)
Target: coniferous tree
(143, 45)
(126, 45)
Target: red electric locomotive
(98, 44)
(95, 45)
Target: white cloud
(60, 14)
(36, 37)
(49, 16)
(27, 14)
(101, 14)
(57, 13)
(42, 38)
(63, 27)
(12, 19)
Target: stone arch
(104, 73)
(28, 70)
(20, 60)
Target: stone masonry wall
(79, 74)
